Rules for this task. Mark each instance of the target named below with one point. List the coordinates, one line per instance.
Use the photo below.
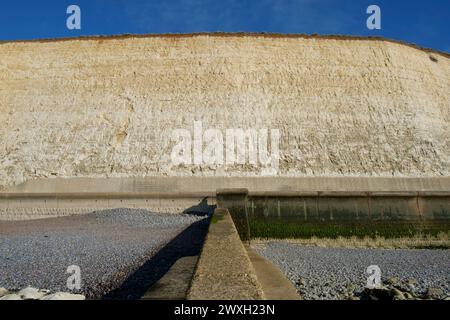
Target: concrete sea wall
(330, 214)
(270, 196)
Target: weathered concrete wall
(42, 198)
(383, 212)
(224, 270)
(107, 107)
(207, 186)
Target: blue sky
(425, 23)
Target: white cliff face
(107, 107)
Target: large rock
(64, 296)
(434, 293)
(30, 293)
(3, 292)
(11, 296)
(397, 294)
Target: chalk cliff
(106, 107)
